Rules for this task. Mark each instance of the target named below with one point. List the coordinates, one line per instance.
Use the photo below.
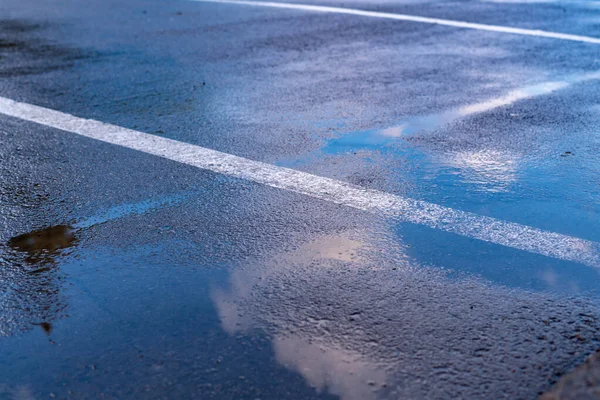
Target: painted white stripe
(414, 18)
(405, 209)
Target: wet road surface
(127, 275)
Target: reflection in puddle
(340, 372)
(490, 169)
(46, 327)
(16, 392)
(486, 168)
(428, 123)
(42, 246)
(333, 248)
(30, 280)
(357, 317)
(325, 364)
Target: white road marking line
(414, 18)
(463, 223)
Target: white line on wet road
(463, 223)
(414, 18)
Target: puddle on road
(31, 280)
(381, 138)
(43, 245)
(358, 326)
(328, 366)
(435, 156)
(329, 369)
(47, 240)
(46, 327)
(427, 123)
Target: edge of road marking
(419, 212)
(413, 18)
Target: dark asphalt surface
(231, 290)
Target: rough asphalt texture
(238, 291)
(581, 384)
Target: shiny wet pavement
(126, 275)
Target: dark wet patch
(42, 246)
(31, 279)
(6, 44)
(46, 326)
(24, 52)
(19, 26)
(32, 293)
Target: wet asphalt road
(159, 280)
